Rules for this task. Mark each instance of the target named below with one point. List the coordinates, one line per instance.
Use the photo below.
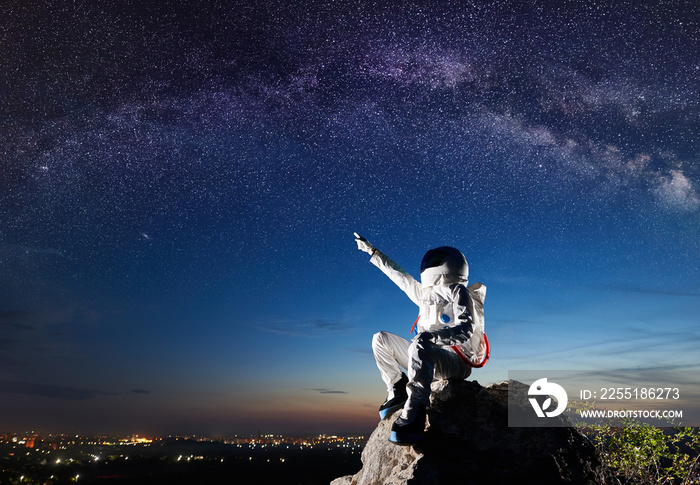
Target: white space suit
(450, 330)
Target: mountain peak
(468, 441)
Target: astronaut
(449, 341)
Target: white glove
(363, 244)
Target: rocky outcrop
(468, 441)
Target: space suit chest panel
(438, 310)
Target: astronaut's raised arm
(398, 275)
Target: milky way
(156, 153)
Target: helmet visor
(433, 259)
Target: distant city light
(76, 452)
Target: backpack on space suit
(478, 343)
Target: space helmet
(444, 261)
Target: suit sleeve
(398, 275)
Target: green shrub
(637, 453)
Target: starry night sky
(181, 181)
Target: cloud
(16, 319)
(46, 390)
(139, 391)
(653, 291)
(650, 345)
(518, 130)
(362, 350)
(10, 315)
(576, 157)
(330, 326)
(326, 391)
(665, 376)
(319, 328)
(284, 330)
(433, 68)
(8, 343)
(675, 191)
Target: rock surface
(468, 441)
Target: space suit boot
(408, 432)
(397, 401)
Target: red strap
(414, 323)
(465, 359)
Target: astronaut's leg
(426, 362)
(391, 353)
